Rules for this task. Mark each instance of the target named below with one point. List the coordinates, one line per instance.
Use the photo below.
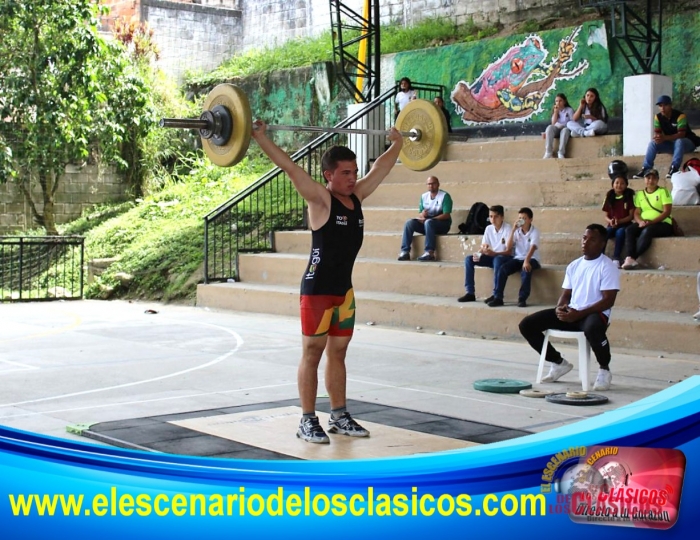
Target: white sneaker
(589, 133)
(561, 156)
(697, 316)
(547, 155)
(602, 381)
(629, 264)
(556, 371)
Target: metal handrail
(246, 222)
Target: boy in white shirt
(523, 243)
(493, 244)
(589, 291)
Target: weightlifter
(327, 298)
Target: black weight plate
(590, 399)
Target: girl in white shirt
(591, 118)
(562, 114)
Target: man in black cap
(671, 136)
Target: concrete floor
(85, 362)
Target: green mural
(608, 68)
(514, 79)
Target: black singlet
(334, 248)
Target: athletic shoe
(489, 299)
(345, 425)
(673, 170)
(630, 264)
(589, 133)
(547, 155)
(311, 431)
(640, 174)
(426, 257)
(561, 156)
(522, 303)
(556, 371)
(495, 302)
(697, 316)
(404, 256)
(602, 381)
(469, 297)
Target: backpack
(477, 219)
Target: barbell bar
(226, 125)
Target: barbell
(226, 126)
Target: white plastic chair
(584, 353)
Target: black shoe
(522, 303)
(469, 297)
(671, 171)
(489, 299)
(495, 302)
(640, 174)
(426, 257)
(404, 256)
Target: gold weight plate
(428, 151)
(235, 100)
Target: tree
(66, 96)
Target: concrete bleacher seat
(653, 308)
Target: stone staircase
(653, 308)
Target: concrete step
(548, 220)
(634, 329)
(675, 253)
(546, 189)
(529, 147)
(447, 279)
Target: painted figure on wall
(513, 87)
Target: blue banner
(54, 488)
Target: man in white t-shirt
(405, 94)
(589, 291)
(493, 244)
(522, 255)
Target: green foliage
(294, 53)
(67, 96)
(159, 239)
(305, 51)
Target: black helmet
(617, 168)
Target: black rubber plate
(590, 399)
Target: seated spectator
(523, 241)
(562, 114)
(493, 244)
(671, 136)
(434, 218)
(589, 291)
(618, 207)
(591, 118)
(405, 94)
(686, 184)
(652, 219)
(440, 103)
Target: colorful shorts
(327, 314)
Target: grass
(306, 51)
(158, 240)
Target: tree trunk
(49, 183)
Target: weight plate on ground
(534, 393)
(590, 399)
(501, 386)
(424, 116)
(233, 100)
(577, 395)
